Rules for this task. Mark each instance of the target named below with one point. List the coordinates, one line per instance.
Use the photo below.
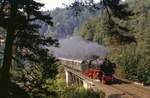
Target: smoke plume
(77, 48)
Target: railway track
(126, 93)
(132, 90)
(123, 90)
(116, 91)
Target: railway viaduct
(74, 76)
(121, 90)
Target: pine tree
(18, 18)
(112, 12)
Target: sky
(52, 4)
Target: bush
(59, 86)
(131, 64)
(80, 92)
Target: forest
(132, 52)
(28, 69)
(129, 49)
(67, 23)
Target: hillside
(66, 23)
(132, 58)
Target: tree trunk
(7, 60)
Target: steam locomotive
(101, 70)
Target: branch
(105, 5)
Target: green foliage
(135, 58)
(66, 23)
(93, 30)
(110, 24)
(35, 80)
(72, 91)
(132, 59)
(24, 43)
(78, 92)
(36, 85)
(90, 28)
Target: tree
(112, 12)
(23, 40)
(132, 59)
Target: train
(97, 69)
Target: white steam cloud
(77, 48)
